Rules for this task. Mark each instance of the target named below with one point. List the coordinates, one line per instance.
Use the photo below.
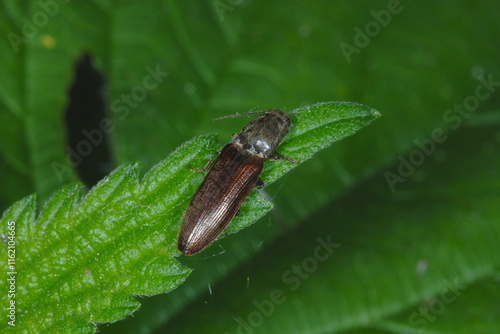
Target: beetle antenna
(244, 114)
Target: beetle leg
(278, 156)
(260, 184)
(207, 166)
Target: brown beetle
(232, 177)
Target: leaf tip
(375, 113)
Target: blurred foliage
(437, 225)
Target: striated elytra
(232, 177)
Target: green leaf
(85, 259)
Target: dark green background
(397, 249)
